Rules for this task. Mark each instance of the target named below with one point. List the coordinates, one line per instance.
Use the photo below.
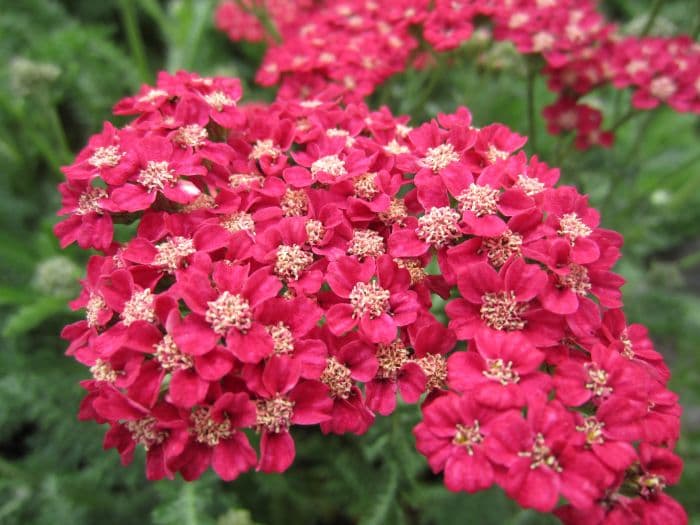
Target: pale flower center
(627, 347)
(500, 371)
(103, 371)
(439, 157)
(366, 243)
(144, 432)
(206, 430)
(543, 41)
(391, 358)
(337, 377)
(93, 308)
(394, 148)
(331, 164)
(156, 175)
(105, 157)
(282, 338)
(315, 231)
(229, 311)
(494, 154)
(576, 280)
(593, 430)
(662, 87)
(239, 221)
(480, 200)
(171, 252)
(434, 367)
(139, 308)
(169, 355)
(597, 380)
(541, 456)
(530, 185)
(191, 135)
(88, 202)
(650, 484)
(274, 415)
(415, 269)
(500, 249)
(219, 100)
(365, 186)
(152, 95)
(294, 203)
(571, 226)
(501, 311)
(369, 298)
(291, 261)
(439, 227)
(396, 213)
(244, 180)
(264, 148)
(468, 436)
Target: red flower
(607, 374)
(158, 171)
(453, 435)
(502, 302)
(542, 460)
(283, 400)
(354, 361)
(226, 311)
(502, 373)
(215, 438)
(396, 373)
(377, 295)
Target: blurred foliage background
(67, 62)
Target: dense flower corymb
(282, 272)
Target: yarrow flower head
(284, 270)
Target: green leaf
(385, 499)
(32, 315)
(10, 295)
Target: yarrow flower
(354, 46)
(283, 273)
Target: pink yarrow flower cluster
(280, 269)
(355, 45)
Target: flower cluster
(356, 44)
(268, 266)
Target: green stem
(563, 148)
(427, 89)
(530, 88)
(627, 178)
(190, 507)
(638, 140)
(133, 36)
(621, 121)
(59, 132)
(155, 11)
(689, 261)
(655, 9)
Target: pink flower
(373, 295)
(607, 374)
(502, 302)
(215, 437)
(542, 460)
(283, 400)
(227, 310)
(454, 435)
(158, 171)
(502, 373)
